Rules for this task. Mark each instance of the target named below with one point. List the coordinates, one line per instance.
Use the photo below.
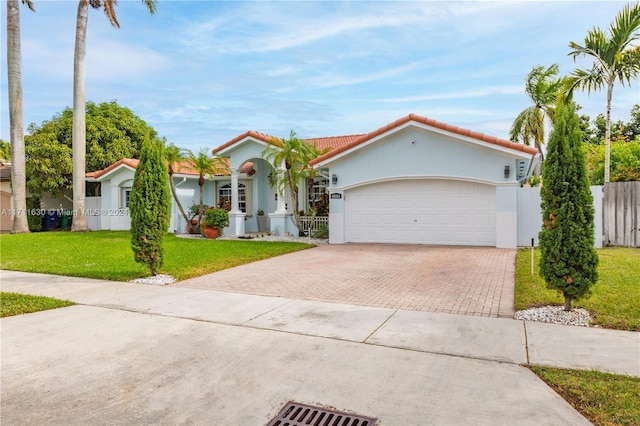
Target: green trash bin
(65, 221)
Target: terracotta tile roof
(323, 143)
(332, 142)
(256, 135)
(184, 167)
(181, 167)
(433, 123)
(131, 162)
(339, 144)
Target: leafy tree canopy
(625, 161)
(113, 132)
(625, 147)
(5, 150)
(594, 131)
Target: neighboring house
(415, 180)
(6, 199)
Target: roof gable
(448, 128)
(341, 144)
(131, 163)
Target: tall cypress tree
(568, 259)
(150, 205)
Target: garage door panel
(422, 211)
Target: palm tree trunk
(172, 185)
(79, 142)
(294, 203)
(200, 209)
(14, 74)
(540, 133)
(607, 134)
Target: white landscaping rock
(160, 279)
(556, 315)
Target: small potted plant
(214, 220)
(262, 220)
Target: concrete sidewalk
(143, 354)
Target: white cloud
(203, 72)
(462, 94)
(114, 61)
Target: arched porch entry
(246, 166)
(255, 205)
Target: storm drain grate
(295, 414)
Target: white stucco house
(415, 180)
(111, 188)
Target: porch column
(278, 219)
(235, 205)
(236, 217)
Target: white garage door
(422, 212)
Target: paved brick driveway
(461, 280)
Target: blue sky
(204, 72)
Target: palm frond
(29, 4)
(588, 80)
(151, 6)
(625, 26)
(628, 65)
(110, 11)
(173, 155)
(524, 127)
(543, 87)
(203, 164)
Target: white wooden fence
(313, 223)
(530, 215)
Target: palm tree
(296, 155)
(174, 155)
(78, 139)
(203, 165)
(14, 77)
(542, 86)
(616, 57)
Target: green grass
(108, 255)
(603, 398)
(17, 304)
(615, 299)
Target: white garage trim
(422, 211)
(422, 177)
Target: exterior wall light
(334, 179)
(506, 172)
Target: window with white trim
(224, 197)
(125, 194)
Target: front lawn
(108, 255)
(17, 304)
(603, 398)
(615, 302)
